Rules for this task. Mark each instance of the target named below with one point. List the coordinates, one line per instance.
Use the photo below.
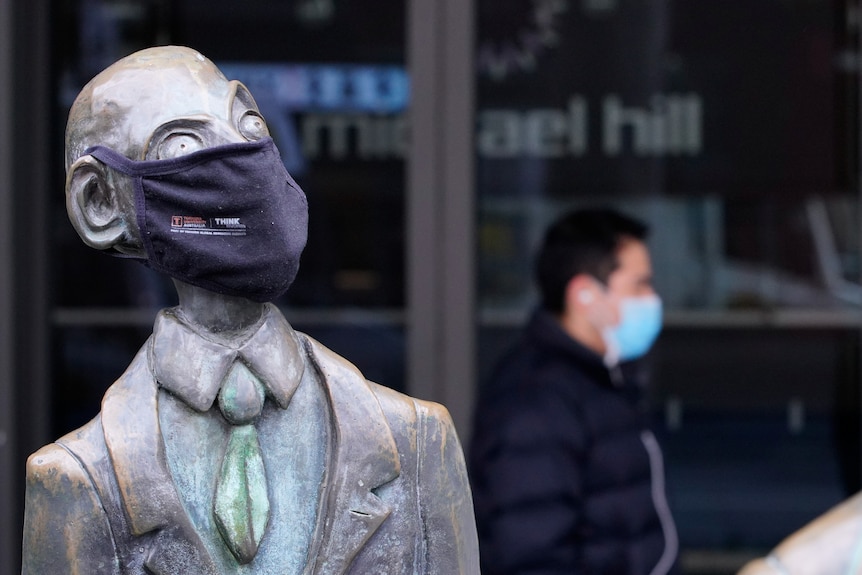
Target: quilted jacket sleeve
(528, 486)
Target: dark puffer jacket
(566, 476)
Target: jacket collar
(364, 458)
(191, 366)
(545, 331)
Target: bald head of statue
(156, 104)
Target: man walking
(566, 476)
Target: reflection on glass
(732, 129)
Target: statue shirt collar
(192, 367)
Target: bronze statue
(232, 443)
(829, 545)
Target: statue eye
(252, 126)
(179, 144)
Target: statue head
(162, 135)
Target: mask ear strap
(114, 160)
(144, 168)
(114, 252)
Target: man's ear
(92, 204)
(581, 291)
(588, 298)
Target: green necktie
(241, 504)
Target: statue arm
(66, 530)
(444, 497)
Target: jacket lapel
(134, 440)
(364, 458)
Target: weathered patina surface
(232, 443)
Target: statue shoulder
(431, 459)
(440, 474)
(53, 467)
(400, 409)
(428, 412)
(64, 459)
(60, 493)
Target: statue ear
(92, 204)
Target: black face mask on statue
(229, 219)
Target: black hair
(582, 242)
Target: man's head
(592, 265)
(155, 104)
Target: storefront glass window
(732, 129)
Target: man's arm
(528, 487)
(66, 530)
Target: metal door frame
(441, 194)
(25, 165)
(7, 422)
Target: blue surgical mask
(640, 324)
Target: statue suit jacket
(396, 497)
